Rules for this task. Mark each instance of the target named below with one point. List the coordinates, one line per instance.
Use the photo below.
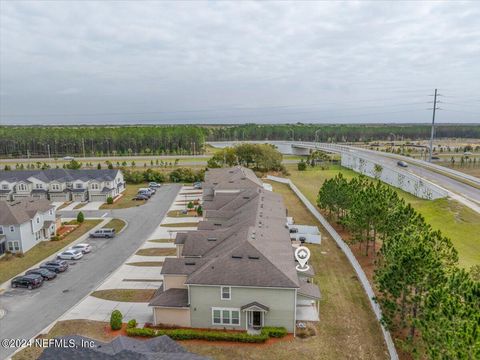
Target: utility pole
(433, 124)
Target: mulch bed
(66, 229)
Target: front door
(256, 318)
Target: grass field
(347, 328)
(116, 224)
(146, 263)
(12, 265)
(185, 224)
(126, 200)
(125, 295)
(156, 252)
(453, 219)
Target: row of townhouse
(237, 271)
(24, 223)
(61, 185)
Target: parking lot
(35, 309)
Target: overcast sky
(234, 62)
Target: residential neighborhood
(237, 271)
(61, 185)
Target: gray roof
(61, 175)
(181, 266)
(309, 290)
(170, 298)
(257, 304)
(237, 177)
(20, 211)
(243, 240)
(123, 348)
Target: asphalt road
(29, 312)
(455, 186)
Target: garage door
(97, 198)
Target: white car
(84, 248)
(70, 255)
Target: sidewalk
(133, 277)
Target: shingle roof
(243, 237)
(122, 347)
(309, 290)
(19, 211)
(170, 298)
(60, 175)
(237, 177)
(257, 304)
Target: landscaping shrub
(190, 205)
(80, 217)
(55, 238)
(302, 165)
(109, 200)
(199, 210)
(116, 320)
(132, 324)
(192, 334)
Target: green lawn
(157, 252)
(126, 200)
(184, 224)
(12, 265)
(453, 219)
(125, 295)
(116, 224)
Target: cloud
(328, 61)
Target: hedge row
(192, 334)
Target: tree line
(184, 175)
(419, 286)
(59, 141)
(339, 133)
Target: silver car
(70, 255)
(84, 248)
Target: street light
(316, 134)
(293, 134)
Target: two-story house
(61, 185)
(24, 223)
(238, 270)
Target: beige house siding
(171, 316)
(174, 282)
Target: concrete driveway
(92, 205)
(29, 312)
(70, 206)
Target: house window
(4, 187)
(12, 228)
(22, 187)
(55, 187)
(38, 186)
(78, 186)
(226, 292)
(51, 212)
(1, 230)
(13, 246)
(225, 316)
(94, 186)
(38, 220)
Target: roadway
(29, 311)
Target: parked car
(44, 273)
(141, 197)
(30, 281)
(197, 185)
(103, 233)
(55, 265)
(70, 255)
(144, 193)
(293, 230)
(149, 191)
(84, 248)
(69, 158)
(302, 239)
(402, 164)
(154, 185)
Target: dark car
(55, 266)
(402, 164)
(45, 273)
(30, 281)
(141, 197)
(103, 233)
